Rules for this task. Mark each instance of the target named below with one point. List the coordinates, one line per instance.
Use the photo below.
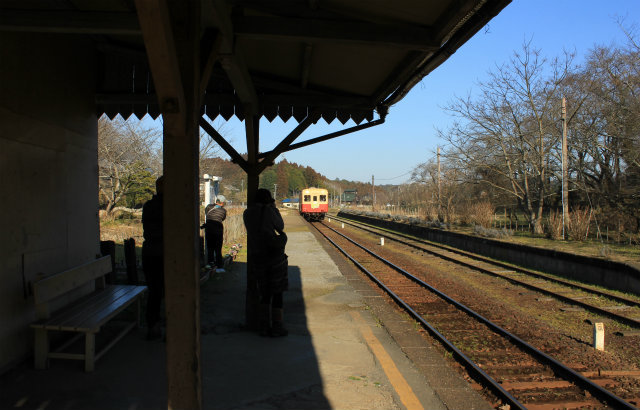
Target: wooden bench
(86, 314)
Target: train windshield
(307, 198)
(323, 198)
(315, 198)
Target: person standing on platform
(214, 232)
(153, 258)
(267, 251)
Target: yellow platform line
(407, 396)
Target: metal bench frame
(85, 315)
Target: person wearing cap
(214, 231)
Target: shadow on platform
(240, 369)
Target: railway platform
(346, 349)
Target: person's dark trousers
(153, 266)
(214, 232)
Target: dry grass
(117, 229)
(553, 227)
(578, 226)
(234, 229)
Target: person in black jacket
(267, 249)
(153, 258)
(214, 232)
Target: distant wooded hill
(284, 178)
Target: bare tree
(127, 155)
(210, 149)
(605, 136)
(505, 137)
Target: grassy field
(598, 248)
(119, 229)
(622, 253)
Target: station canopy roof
(343, 58)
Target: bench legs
(41, 349)
(89, 351)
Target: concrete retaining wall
(612, 275)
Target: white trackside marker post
(329, 219)
(598, 336)
(381, 241)
(342, 225)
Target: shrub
(578, 224)
(553, 226)
(481, 213)
(492, 233)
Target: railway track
(595, 300)
(516, 372)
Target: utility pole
(373, 195)
(565, 165)
(275, 191)
(439, 184)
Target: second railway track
(596, 300)
(520, 374)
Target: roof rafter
(313, 30)
(233, 64)
(228, 148)
(270, 156)
(78, 22)
(163, 59)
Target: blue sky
(408, 137)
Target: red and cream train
(314, 203)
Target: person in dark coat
(214, 232)
(153, 258)
(267, 251)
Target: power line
(399, 176)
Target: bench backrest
(51, 287)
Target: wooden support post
(181, 247)
(252, 297)
(171, 32)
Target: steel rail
(557, 366)
(623, 319)
(472, 366)
(488, 260)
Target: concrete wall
(613, 275)
(48, 172)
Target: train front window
(323, 198)
(315, 198)
(307, 198)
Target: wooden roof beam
(317, 31)
(211, 44)
(270, 156)
(239, 76)
(70, 22)
(312, 100)
(163, 60)
(232, 63)
(228, 148)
